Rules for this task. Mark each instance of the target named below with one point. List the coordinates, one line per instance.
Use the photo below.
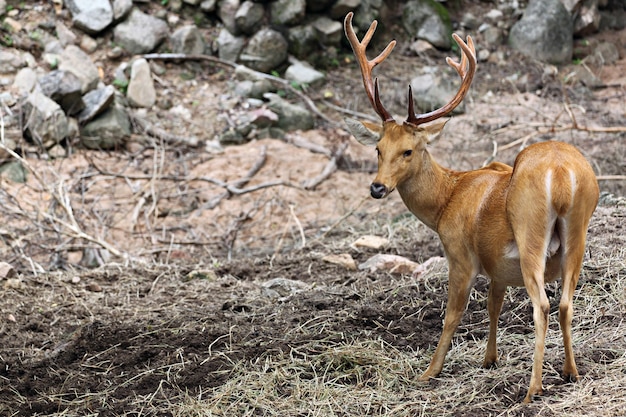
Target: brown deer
(521, 225)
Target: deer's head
(401, 146)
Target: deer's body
(524, 225)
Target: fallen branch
(330, 167)
(70, 227)
(161, 134)
(284, 83)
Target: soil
(188, 308)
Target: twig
(300, 142)
(285, 83)
(330, 167)
(161, 134)
(70, 227)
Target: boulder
(140, 33)
(545, 32)
(92, 16)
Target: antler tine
(359, 49)
(466, 70)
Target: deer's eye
(407, 153)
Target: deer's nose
(378, 190)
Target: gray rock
(226, 10)
(121, 8)
(208, 6)
(328, 31)
(229, 46)
(428, 20)
(249, 17)
(253, 89)
(587, 19)
(74, 60)
(140, 33)
(141, 91)
(266, 50)
(3, 7)
(14, 171)
(288, 12)
(342, 7)
(107, 131)
(92, 16)
(65, 35)
(606, 53)
(64, 88)
(545, 32)
(291, 116)
(96, 102)
(44, 120)
(433, 88)
(187, 40)
(10, 61)
(302, 73)
(302, 41)
(25, 80)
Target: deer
(524, 225)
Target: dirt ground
(214, 303)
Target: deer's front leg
(461, 280)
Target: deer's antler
(371, 87)
(466, 70)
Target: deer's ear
(366, 133)
(433, 131)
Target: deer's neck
(427, 191)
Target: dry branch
(161, 134)
(330, 167)
(69, 227)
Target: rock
(605, 53)
(229, 46)
(64, 34)
(44, 120)
(96, 101)
(369, 241)
(108, 131)
(303, 73)
(25, 80)
(469, 21)
(266, 50)
(253, 89)
(327, 31)
(291, 116)
(342, 259)
(428, 20)
(283, 287)
(10, 61)
(88, 44)
(7, 270)
(302, 41)
(121, 9)
(92, 16)
(208, 6)
(342, 7)
(588, 19)
(187, 40)
(545, 32)
(434, 87)
(74, 60)
(141, 91)
(64, 88)
(393, 264)
(140, 33)
(249, 17)
(14, 172)
(226, 10)
(287, 12)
